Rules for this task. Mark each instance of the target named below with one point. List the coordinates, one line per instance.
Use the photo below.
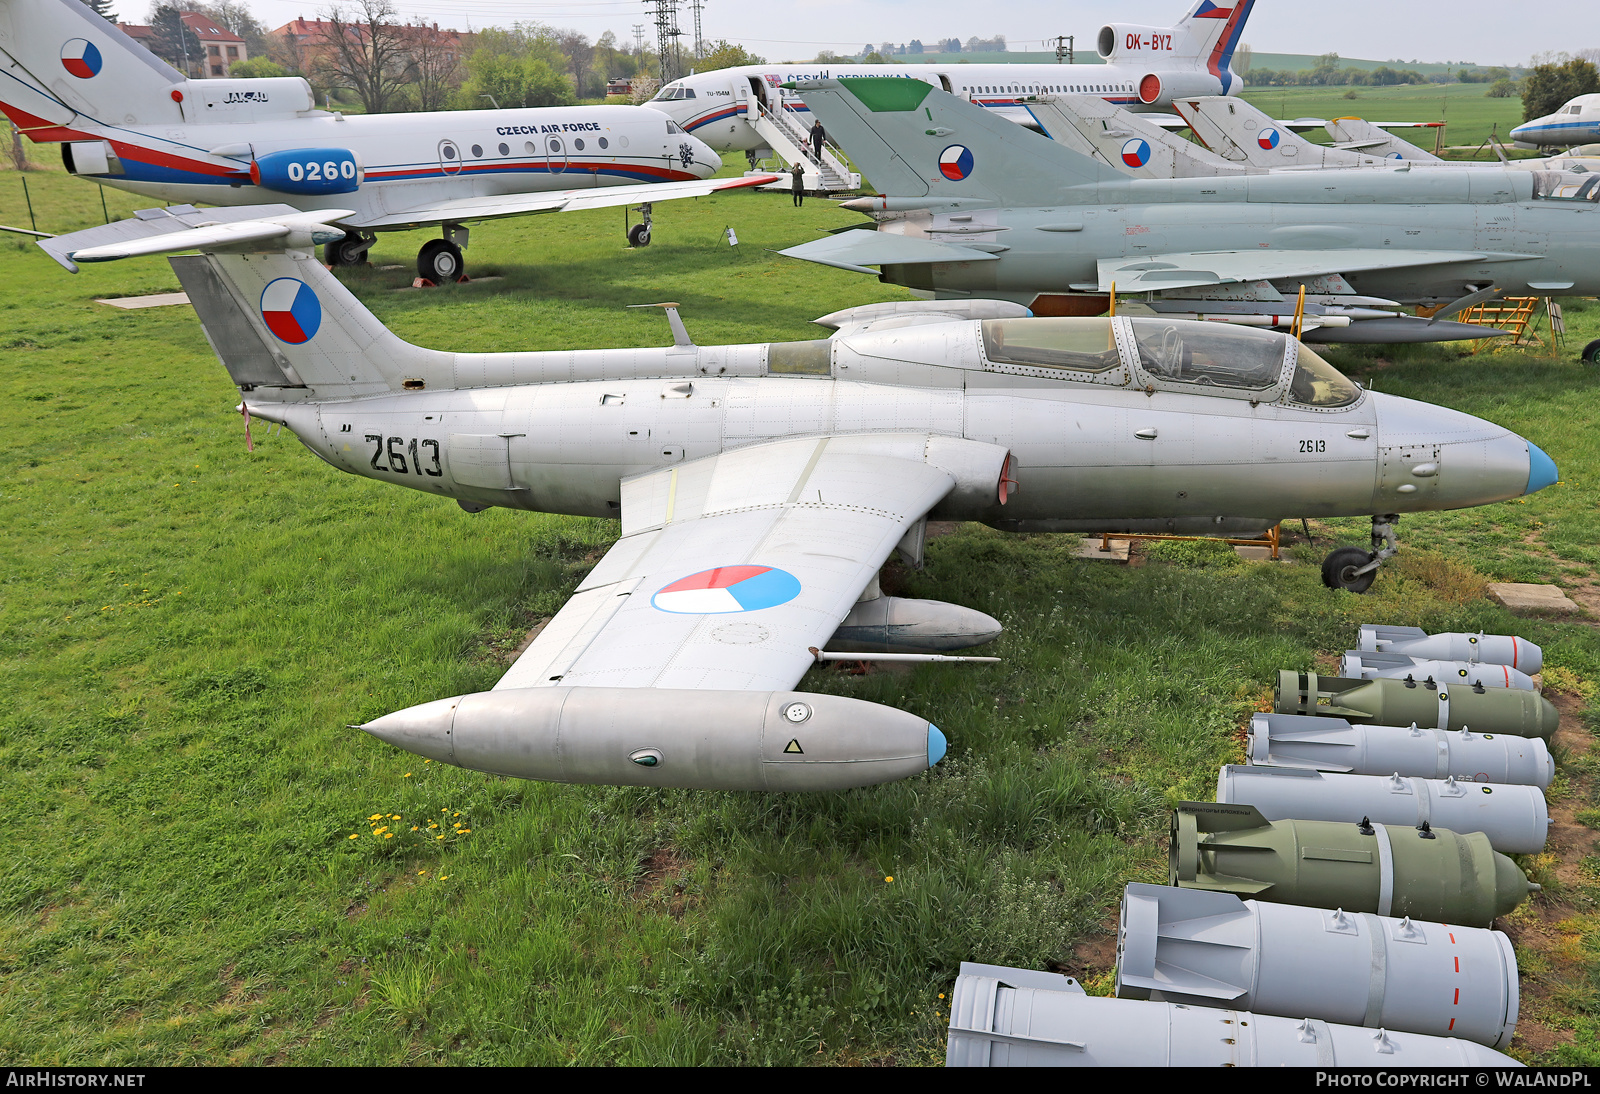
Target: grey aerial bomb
(1514, 818)
(1001, 1017)
(760, 488)
(1416, 643)
(1216, 950)
(1359, 665)
(1403, 702)
(1440, 875)
(1334, 744)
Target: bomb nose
(425, 729)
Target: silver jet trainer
(761, 487)
(971, 206)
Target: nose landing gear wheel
(639, 235)
(1339, 569)
(349, 251)
(440, 261)
(1591, 353)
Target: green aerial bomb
(1420, 702)
(1437, 875)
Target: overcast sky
(1481, 31)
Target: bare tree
(579, 53)
(365, 51)
(433, 64)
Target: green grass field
(210, 867)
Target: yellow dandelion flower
(466, 831)
(888, 879)
(439, 836)
(444, 877)
(407, 775)
(455, 814)
(427, 761)
(413, 828)
(388, 835)
(421, 872)
(941, 995)
(376, 816)
(355, 835)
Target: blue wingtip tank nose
(1541, 470)
(936, 744)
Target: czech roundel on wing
(291, 310)
(1268, 139)
(955, 162)
(81, 58)
(1136, 153)
(727, 589)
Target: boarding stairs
(790, 139)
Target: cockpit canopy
(1566, 186)
(673, 92)
(1216, 358)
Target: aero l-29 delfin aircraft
(127, 119)
(761, 487)
(973, 206)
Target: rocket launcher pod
(1513, 817)
(1356, 665)
(1402, 702)
(1441, 875)
(1003, 1017)
(1488, 649)
(714, 740)
(1355, 968)
(1333, 744)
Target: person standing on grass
(818, 135)
(797, 182)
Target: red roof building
(222, 47)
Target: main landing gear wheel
(639, 235)
(1591, 353)
(349, 251)
(440, 261)
(1339, 569)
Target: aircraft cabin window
(1317, 383)
(672, 127)
(813, 358)
(578, 143)
(555, 146)
(604, 143)
(477, 151)
(1212, 356)
(531, 148)
(688, 92)
(449, 151)
(1082, 345)
(505, 150)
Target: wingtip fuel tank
(716, 740)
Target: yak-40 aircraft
(973, 206)
(1145, 67)
(761, 487)
(127, 119)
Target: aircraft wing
(184, 228)
(730, 567)
(552, 201)
(1147, 273)
(857, 250)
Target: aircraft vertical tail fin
(65, 67)
(281, 321)
(1238, 131)
(911, 140)
(1206, 38)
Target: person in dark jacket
(818, 135)
(797, 182)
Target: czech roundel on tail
(128, 120)
(749, 550)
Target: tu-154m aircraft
(761, 487)
(974, 206)
(128, 120)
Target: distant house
(620, 86)
(222, 47)
(305, 41)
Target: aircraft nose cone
(936, 744)
(704, 155)
(1541, 470)
(424, 729)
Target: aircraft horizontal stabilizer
(1154, 273)
(460, 210)
(856, 251)
(185, 228)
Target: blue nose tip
(936, 744)
(1541, 469)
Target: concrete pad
(1521, 597)
(1254, 554)
(1090, 548)
(160, 300)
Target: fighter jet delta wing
(1155, 273)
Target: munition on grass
(1402, 702)
(1334, 744)
(1391, 871)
